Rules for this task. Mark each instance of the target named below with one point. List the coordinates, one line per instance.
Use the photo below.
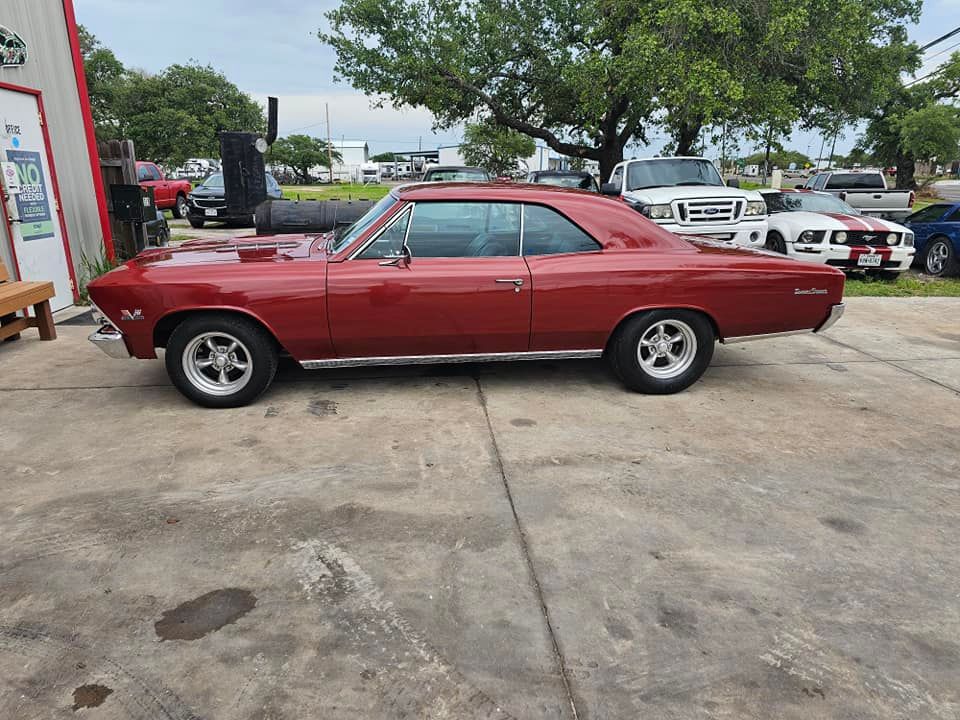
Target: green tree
(896, 131)
(178, 113)
(301, 153)
(779, 158)
(931, 132)
(588, 78)
(105, 75)
(384, 157)
(495, 148)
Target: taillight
(913, 196)
(843, 196)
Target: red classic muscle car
(458, 272)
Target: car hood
(204, 192)
(654, 196)
(835, 221)
(275, 248)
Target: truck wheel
(181, 209)
(939, 259)
(662, 351)
(195, 222)
(776, 243)
(220, 360)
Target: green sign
(13, 50)
(33, 201)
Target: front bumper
(846, 257)
(111, 341)
(750, 233)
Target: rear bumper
(836, 312)
(111, 342)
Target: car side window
(547, 232)
(390, 241)
(464, 229)
(954, 216)
(617, 177)
(932, 214)
(818, 181)
(143, 173)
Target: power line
(940, 39)
(945, 50)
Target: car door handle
(516, 281)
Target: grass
(907, 285)
(345, 191)
(92, 268)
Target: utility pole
(833, 146)
(329, 145)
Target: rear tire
(940, 259)
(776, 243)
(220, 360)
(181, 208)
(659, 352)
(196, 223)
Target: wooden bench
(15, 296)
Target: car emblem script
(811, 291)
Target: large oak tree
(589, 77)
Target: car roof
(562, 173)
(610, 221)
(454, 167)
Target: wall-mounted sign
(13, 50)
(11, 177)
(33, 202)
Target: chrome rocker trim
(440, 359)
(111, 342)
(836, 312)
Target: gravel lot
(490, 541)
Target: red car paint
(322, 306)
(165, 191)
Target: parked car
(818, 227)
(564, 178)
(167, 194)
(454, 272)
(686, 195)
(158, 231)
(866, 191)
(208, 202)
(455, 173)
(937, 232)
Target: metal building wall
(49, 68)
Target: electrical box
(132, 203)
(244, 172)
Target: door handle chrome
(516, 281)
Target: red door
(475, 299)
(433, 306)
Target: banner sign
(33, 201)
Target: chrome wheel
(217, 363)
(182, 207)
(667, 349)
(937, 257)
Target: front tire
(662, 351)
(940, 258)
(181, 208)
(776, 243)
(221, 361)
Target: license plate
(210, 212)
(869, 260)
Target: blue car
(936, 231)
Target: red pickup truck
(170, 194)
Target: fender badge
(811, 291)
(137, 314)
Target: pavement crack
(525, 549)
(891, 363)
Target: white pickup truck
(686, 195)
(865, 191)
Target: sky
(271, 48)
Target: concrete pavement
(490, 541)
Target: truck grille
(864, 237)
(703, 212)
(210, 202)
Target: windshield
(343, 237)
(670, 172)
(455, 174)
(811, 202)
(570, 181)
(214, 181)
